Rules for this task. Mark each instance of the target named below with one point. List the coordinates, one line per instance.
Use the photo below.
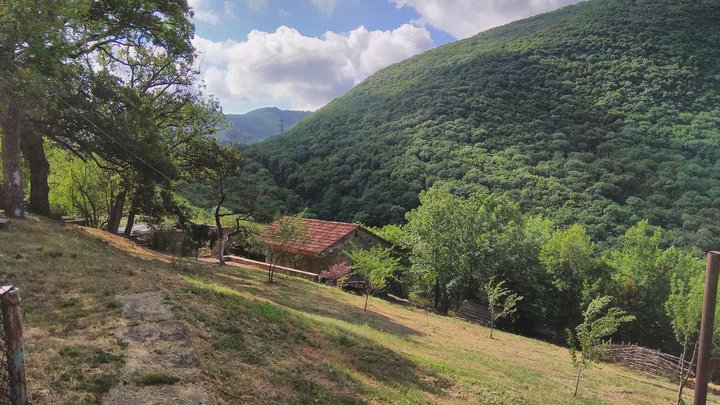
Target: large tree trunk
(444, 301)
(116, 211)
(13, 197)
(131, 216)
(221, 236)
(34, 152)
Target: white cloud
(288, 69)
(464, 18)
(326, 7)
(203, 10)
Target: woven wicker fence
(647, 361)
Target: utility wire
(100, 130)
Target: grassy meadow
(290, 342)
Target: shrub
(336, 274)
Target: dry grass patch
(68, 282)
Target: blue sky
(309, 20)
(301, 54)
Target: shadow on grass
(309, 299)
(299, 359)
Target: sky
(301, 54)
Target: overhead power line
(99, 129)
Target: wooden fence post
(702, 373)
(12, 323)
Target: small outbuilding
(325, 243)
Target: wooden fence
(647, 361)
(278, 269)
(474, 312)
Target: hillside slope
(605, 112)
(259, 124)
(290, 342)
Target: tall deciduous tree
(32, 40)
(203, 160)
(460, 238)
(43, 43)
(568, 257)
(639, 267)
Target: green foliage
(459, 238)
(80, 187)
(569, 259)
(375, 265)
(601, 114)
(198, 236)
(394, 234)
(131, 111)
(684, 303)
(642, 270)
(499, 296)
(212, 170)
(567, 256)
(586, 345)
(168, 240)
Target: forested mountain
(605, 113)
(259, 124)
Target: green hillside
(259, 124)
(605, 112)
(250, 342)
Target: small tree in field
(684, 306)
(375, 265)
(279, 236)
(586, 345)
(499, 296)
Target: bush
(168, 240)
(336, 274)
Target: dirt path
(160, 364)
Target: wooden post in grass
(702, 372)
(12, 325)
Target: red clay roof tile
(320, 236)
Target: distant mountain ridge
(259, 124)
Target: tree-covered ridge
(258, 124)
(605, 113)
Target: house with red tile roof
(325, 243)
